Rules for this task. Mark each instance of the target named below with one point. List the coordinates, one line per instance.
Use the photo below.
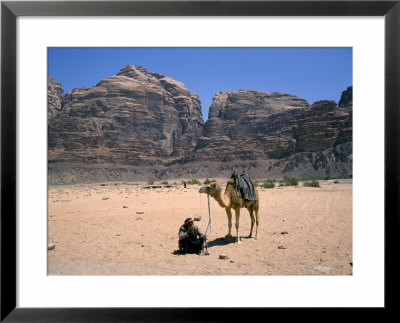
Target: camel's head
(211, 189)
(205, 189)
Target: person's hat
(188, 220)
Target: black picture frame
(10, 10)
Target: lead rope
(208, 230)
(200, 204)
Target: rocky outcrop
(140, 125)
(55, 96)
(250, 125)
(346, 99)
(132, 119)
(333, 161)
(323, 126)
(274, 135)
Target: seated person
(188, 238)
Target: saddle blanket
(244, 187)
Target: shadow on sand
(210, 244)
(177, 253)
(224, 242)
(220, 242)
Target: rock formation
(135, 118)
(323, 126)
(140, 125)
(346, 99)
(273, 135)
(55, 96)
(250, 125)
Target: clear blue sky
(311, 73)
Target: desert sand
(126, 229)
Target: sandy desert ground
(97, 231)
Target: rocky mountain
(250, 125)
(140, 125)
(346, 99)
(135, 118)
(324, 136)
(55, 96)
(274, 135)
(323, 126)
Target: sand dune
(97, 231)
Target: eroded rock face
(134, 118)
(323, 126)
(346, 99)
(55, 96)
(274, 135)
(250, 125)
(140, 125)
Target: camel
(229, 200)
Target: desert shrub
(150, 182)
(290, 181)
(208, 181)
(311, 184)
(103, 184)
(325, 177)
(164, 183)
(194, 181)
(336, 181)
(268, 185)
(281, 184)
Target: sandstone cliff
(55, 96)
(323, 126)
(136, 118)
(140, 125)
(346, 99)
(250, 125)
(274, 135)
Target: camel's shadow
(219, 242)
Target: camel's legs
(229, 214)
(250, 209)
(237, 214)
